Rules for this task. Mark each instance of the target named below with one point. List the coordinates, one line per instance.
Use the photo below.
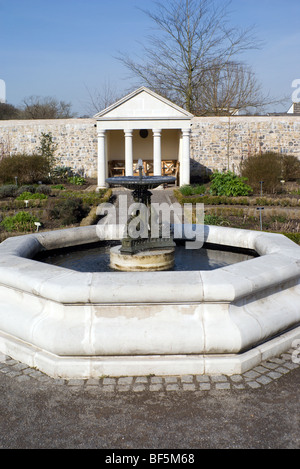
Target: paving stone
(238, 386)
(283, 370)
(202, 378)
(13, 374)
(260, 369)
(274, 375)
(236, 378)
(75, 382)
(204, 386)
(139, 388)
(253, 384)
(110, 381)
(251, 375)
(5, 370)
(108, 388)
(270, 365)
(93, 382)
(170, 379)
(142, 379)
(219, 378)
(264, 379)
(126, 381)
(277, 360)
(188, 387)
(187, 379)
(156, 379)
(22, 378)
(222, 386)
(156, 387)
(59, 381)
(124, 388)
(291, 365)
(172, 387)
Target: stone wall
(217, 143)
(76, 140)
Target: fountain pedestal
(151, 260)
(142, 253)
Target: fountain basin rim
(279, 262)
(132, 182)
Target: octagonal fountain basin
(88, 323)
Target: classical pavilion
(144, 125)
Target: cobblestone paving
(261, 375)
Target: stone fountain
(75, 324)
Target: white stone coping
(278, 264)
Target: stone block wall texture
(76, 140)
(220, 143)
(217, 143)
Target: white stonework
(73, 324)
(144, 109)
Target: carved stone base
(145, 261)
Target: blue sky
(62, 48)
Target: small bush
(28, 169)
(22, 221)
(290, 168)
(69, 211)
(267, 168)
(77, 180)
(28, 188)
(30, 196)
(43, 189)
(9, 190)
(61, 174)
(229, 184)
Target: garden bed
(277, 213)
(52, 207)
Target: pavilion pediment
(143, 104)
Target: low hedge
(250, 201)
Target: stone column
(128, 153)
(157, 152)
(101, 158)
(185, 160)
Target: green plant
(22, 221)
(77, 180)
(192, 190)
(61, 173)
(217, 220)
(30, 196)
(60, 187)
(229, 184)
(47, 149)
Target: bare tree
(100, 99)
(230, 88)
(35, 107)
(194, 41)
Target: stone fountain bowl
(79, 325)
(132, 182)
